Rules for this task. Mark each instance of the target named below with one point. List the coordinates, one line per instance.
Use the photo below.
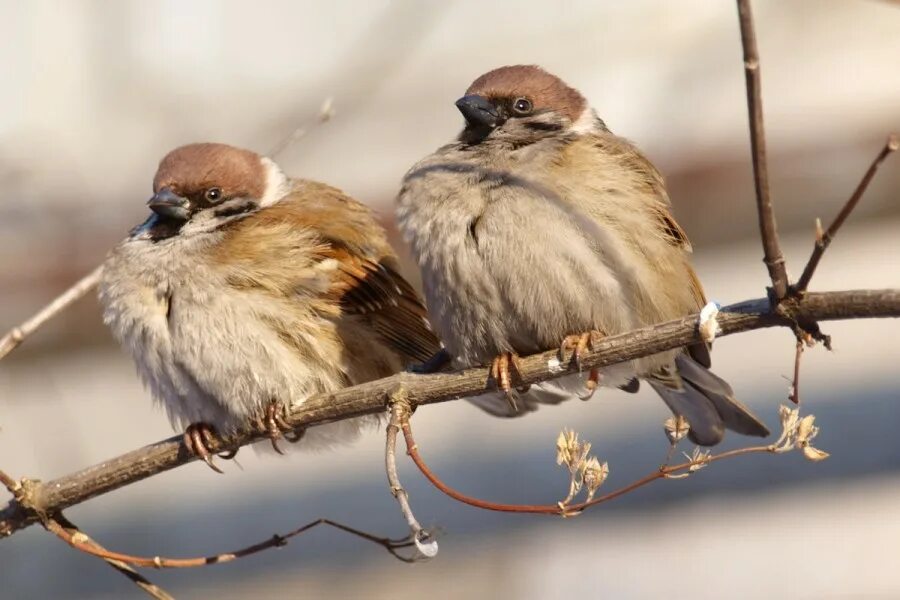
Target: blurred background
(94, 93)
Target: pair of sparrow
(246, 291)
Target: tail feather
(734, 413)
(706, 401)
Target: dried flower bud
(806, 431)
(569, 451)
(814, 454)
(593, 474)
(699, 459)
(676, 428)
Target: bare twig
(768, 229)
(370, 398)
(17, 335)
(81, 542)
(824, 239)
(9, 483)
(400, 409)
(61, 523)
(559, 509)
(326, 112)
(794, 396)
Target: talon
(592, 383)
(502, 368)
(277, 427)
(578, 343)
(197, 438)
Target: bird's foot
(197, 439)
(502, 368)
(273, 421)
(579, 343)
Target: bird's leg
(579, 343)
(502, 367)
(276, 426)
(197, 438)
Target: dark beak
(170, 205)
(479, 112)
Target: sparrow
(540, 228)
(246, 291)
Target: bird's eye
(523, 106)
(213, 194)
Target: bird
(537, 228)
(246, 291)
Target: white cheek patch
(587, 122)
(277, 184)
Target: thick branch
(772, 255)
(370, 398)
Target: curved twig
(81, 542)
(663, 472)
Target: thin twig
(370, 398)
(17, 335)
(153, 590)
(276, 541)
(663, 472)
(9, 483)
(425, 544)
(326, 112)
(824, 239)
(768, 229)
(794, 396)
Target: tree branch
(823, 240)
(772, 254)
(17, 335)
(67, 529)
(36, 498)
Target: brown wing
(373, 289)
(367, 282)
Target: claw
(578, 343)
(198, 437)
(277, 427)
(592, 383)
(502, 368)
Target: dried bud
(676, 428)
(814, 454)
(806, 431)
(569, 451)
(698, 458)
(593, 474)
